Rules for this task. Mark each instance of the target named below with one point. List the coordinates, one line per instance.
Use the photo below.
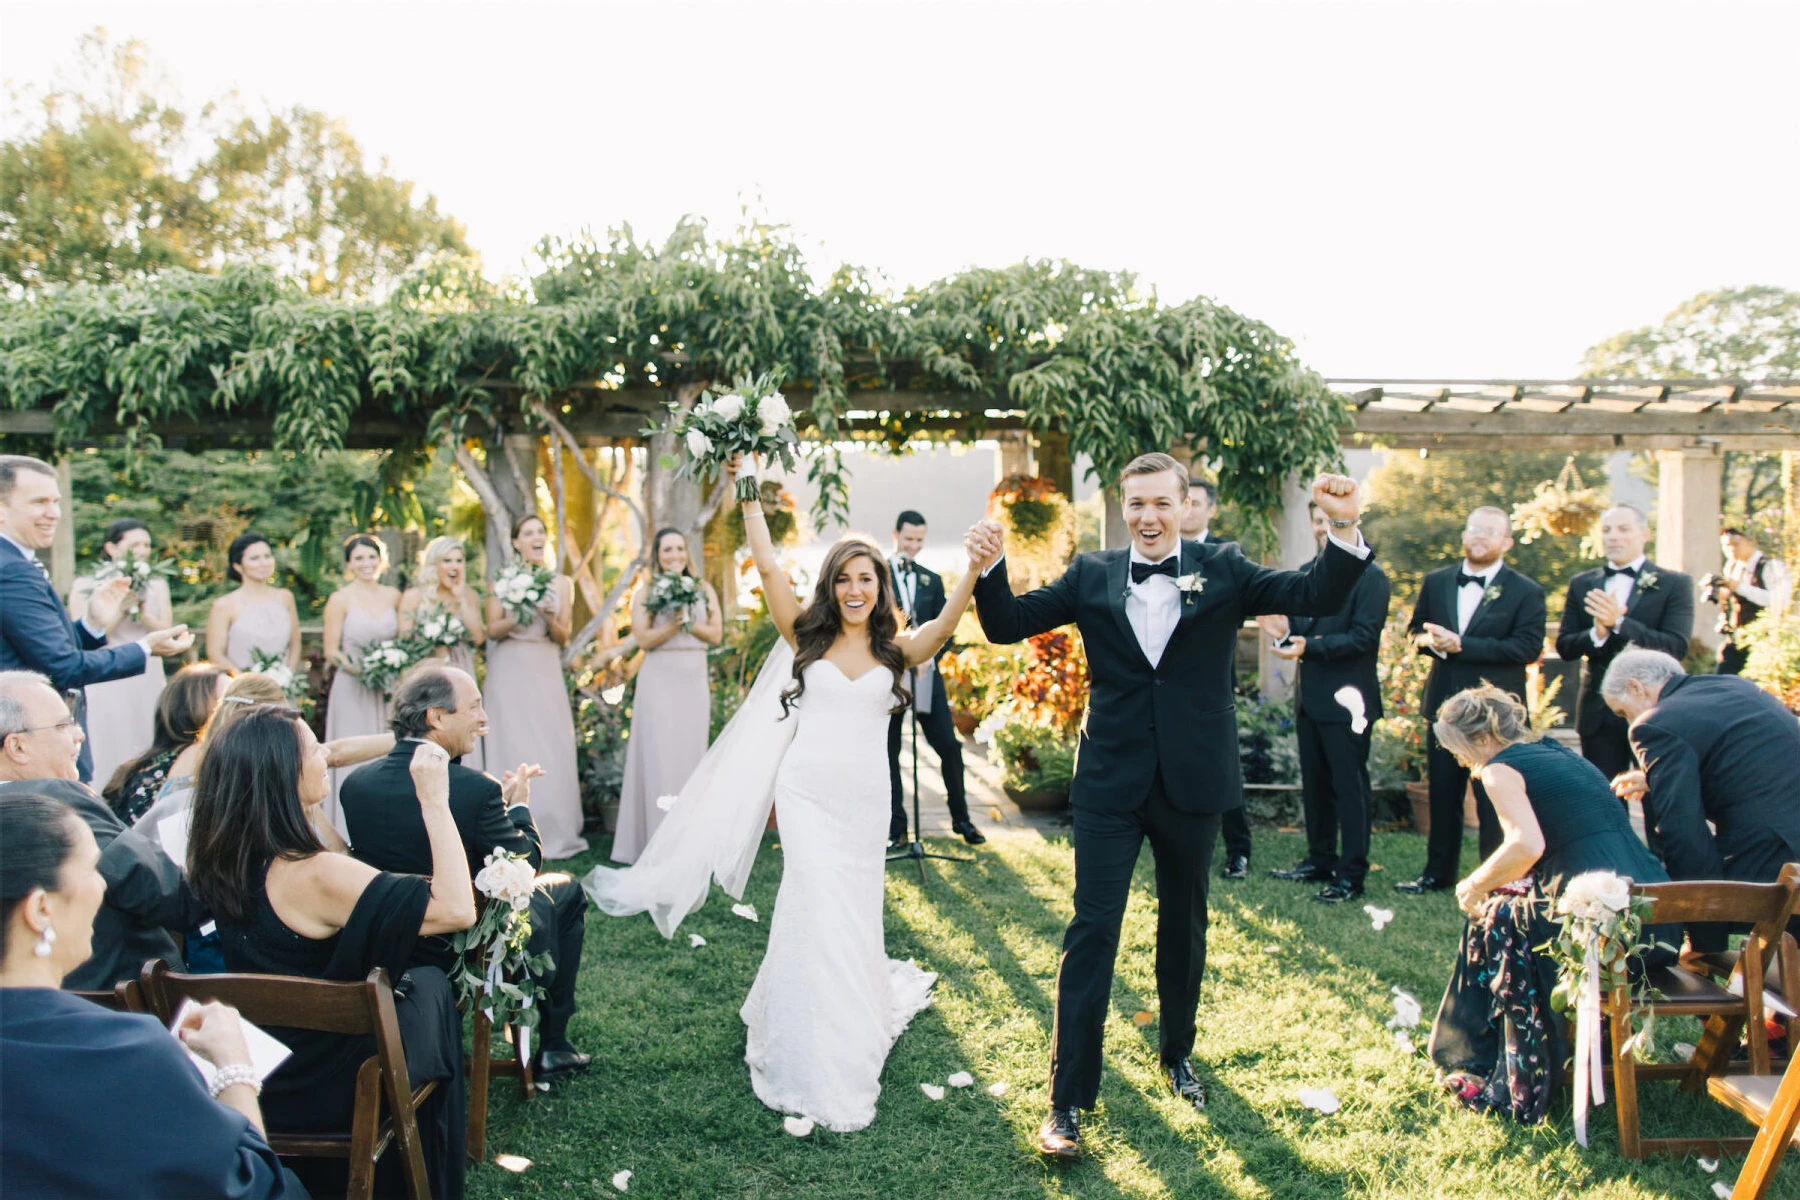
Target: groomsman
(1333, 653)
(1750, 583)
(920, 592)
(1202, 505)
(1630, 603)
(36, 633)
(1480, 620)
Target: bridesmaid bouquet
(276, 668)
(439, 629)
(521, 586)
(139, 571)
(493, 966)
(383, 663)
(674, 593)
(752, 419)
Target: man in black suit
(1630, 603)
(441, 704)
(146, 892)
(1196, 522)
(1158, 755)
(1333, 653)
(1713, 749)
(1481, 621)
(36, 633)
(920, 592)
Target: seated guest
(102, 1103)
(440, 705)
(1558, 819)
(145, 894)
(288, 906)
(1712, 749)
(186, 703)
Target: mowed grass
(1297, 995)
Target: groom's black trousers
(1106, 852)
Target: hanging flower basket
(1040, 528)
(1564, 506)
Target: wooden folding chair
(352, 1009)
(482, 1064)
(125, 996)
(1772, 1104)
(1765, 907)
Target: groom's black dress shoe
(1338, 891)
(555, 1064)
(970, 834)
(1424, 883)
(1304, 873)
(1237, 867)
(1060, 1136)
(1184, 1084)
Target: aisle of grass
(668, 1096)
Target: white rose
(728, 408)
(775, 414)
(698, 444)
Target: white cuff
(94, 630)
(1361, 549)
(1599, 638)
(992, 565)
(1439, 653)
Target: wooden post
(1054, 462)
(1687, 520)
(1015, 454)
(1113, 533)
(62, 547)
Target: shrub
(1034, 757)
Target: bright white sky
(1406, 189)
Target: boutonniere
(1190, 585)
(1647, 581)
(1492, 594)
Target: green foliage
(979, 678)
(1268, 749)
(1417, 507)
(601, 730)
(1034, 757)
(1731, 333)
(1773, 660)
(734, 662)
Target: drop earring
(45, 941)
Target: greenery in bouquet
(437, 629)
(674, 592)
(291, 682)
(978, 679)
(1033, 757)
(139, 571)
(382, 663)
(753, 418)
(521, 587)
(494, 967)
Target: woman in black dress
(1496, 1042)
(286, 905)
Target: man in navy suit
(36, 633)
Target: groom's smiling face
(1153, 506)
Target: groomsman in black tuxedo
(1480, 620)
(1333, 653)
(920, 591)
(1203, 504)
(1629, 603)
(1158, 755)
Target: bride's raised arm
(925, 641)
(784, 606)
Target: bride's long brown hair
(820, 622)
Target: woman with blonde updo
(443, 590)
(1559, 819)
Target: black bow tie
(904, 567)
(1610, 571)
(1142, 571)
(1464, 579)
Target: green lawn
(668, 1096)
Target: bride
(827, 1003)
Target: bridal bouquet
(674, 593)
(439, 629)
(753, 418)
(139, 571)
(521, 586)
(383, 663)
(493, 966)
(275, 667)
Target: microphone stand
(915, 849)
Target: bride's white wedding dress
(827, 1003)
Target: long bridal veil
(717, 821)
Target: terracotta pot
(1038, 802)
(1418, 794)
(965, 722)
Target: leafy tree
(115, 181)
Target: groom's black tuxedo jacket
(1505, 634)
(1178, 715)
(1660, 617)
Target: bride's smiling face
(857, 588)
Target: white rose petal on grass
(1709, 1165)
(1407, 1013)
(961, 1079)
(1684, 1051)
(1320, 1099)
(622, 1180)
(932, 1090)
(746, 911)
(1402, 1043)
(1722, 1190)
(1379, 916)
(798, 1126)
(666, 802)
(996, 1090)
(1271, 949)
(696, 941)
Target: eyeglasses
(63, 725)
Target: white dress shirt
(1775, 581)
(1619, 588)
(906, 586)
(1468, 596)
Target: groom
(1158, 757)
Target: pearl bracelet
(757, 513)
(231, 1076)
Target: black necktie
(1610, 571)
(1464, 579)
(1142, 571)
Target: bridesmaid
(362, 612)
(443, 588)
(673, 706)
(528, 702)
(121, 715)
(258, 615)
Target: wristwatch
(1350, 524)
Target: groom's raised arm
(1319, 589)
(1009, 618)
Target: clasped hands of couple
(108, 604)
